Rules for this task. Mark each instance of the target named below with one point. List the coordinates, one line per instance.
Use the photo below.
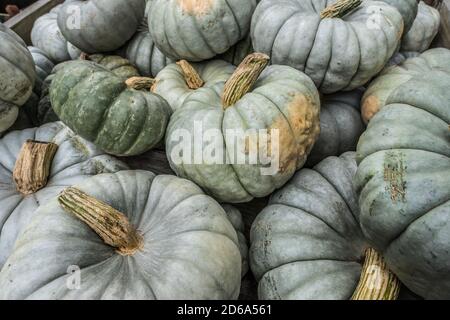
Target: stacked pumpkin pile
(354, 211)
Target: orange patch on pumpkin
(196, 7)
(370, 107)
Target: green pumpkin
(403, 182)
(392, 77)
(17, 79)
(185, 247)
(199, 30)
(102, 108)
(338, 51)
(307, 244)
(283, 102)
(423, 31)
(74, 160)
(102, 25)
(340, 125)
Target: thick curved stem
(244, 78)
(140, 83)
(340, 8)
(110, 224)
(33, 166)
(191, 76)
(377, 282)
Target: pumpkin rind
(403, 185)
(190, 248)
(407, 8)
(337, 53)
(199, 30)
(98, 106)
(75, 160)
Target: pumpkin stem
(243, 78)
(33, 165)
(191, 76)
(377, 282)
(340, 8)
(110, 224)
(140, 83)
(84, 56)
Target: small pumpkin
(340, 125)
(403, 182)
(121, 117)
(36, 165)
(185, 247)
(423, 31)
(392, 77)
(199, 30)
(47, 36)
(281, 101)
(307, 243)
(114, 23)
(18, 75)
(334, 42)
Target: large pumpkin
(17, 78)
(341, 44)
(307, 244)
(392, 77)
(100, 25)
(340, 125)
(47, 36)
(36, 165)
(105, 109)
(403, 183)
(425, 28)
(199, 30)
(282, 103)
(185, 247)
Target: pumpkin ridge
(177, 23)
(235, 21)
(202, 35)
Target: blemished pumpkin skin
(337, 53)
(75, 160)
(114, 24)
(47, 36)
(307, 243)
(18, 75)
(188, 250)
(102, 108)
(392, 77)
(199, 30)
(282, 99)
(403, 183)
(171, 82)
(423, 31)
(341, 125)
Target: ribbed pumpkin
(47, 36)
(35, 166)
(145, 237)
(105, 109)
(17, 78)
(341, 44)
(97, 26)
(403, 183)
(340, 125)
(280, 101)
(392, 77)
(178, 80)
(199, 30)
(425, 28)
(307, 243)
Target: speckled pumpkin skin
(97, 105)
(403, 183)
(190, 251)
(307, 243)
(283, 99)
(199, 30)
(17, 79)
(392, 77)
(339, 53)
(75, 160)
